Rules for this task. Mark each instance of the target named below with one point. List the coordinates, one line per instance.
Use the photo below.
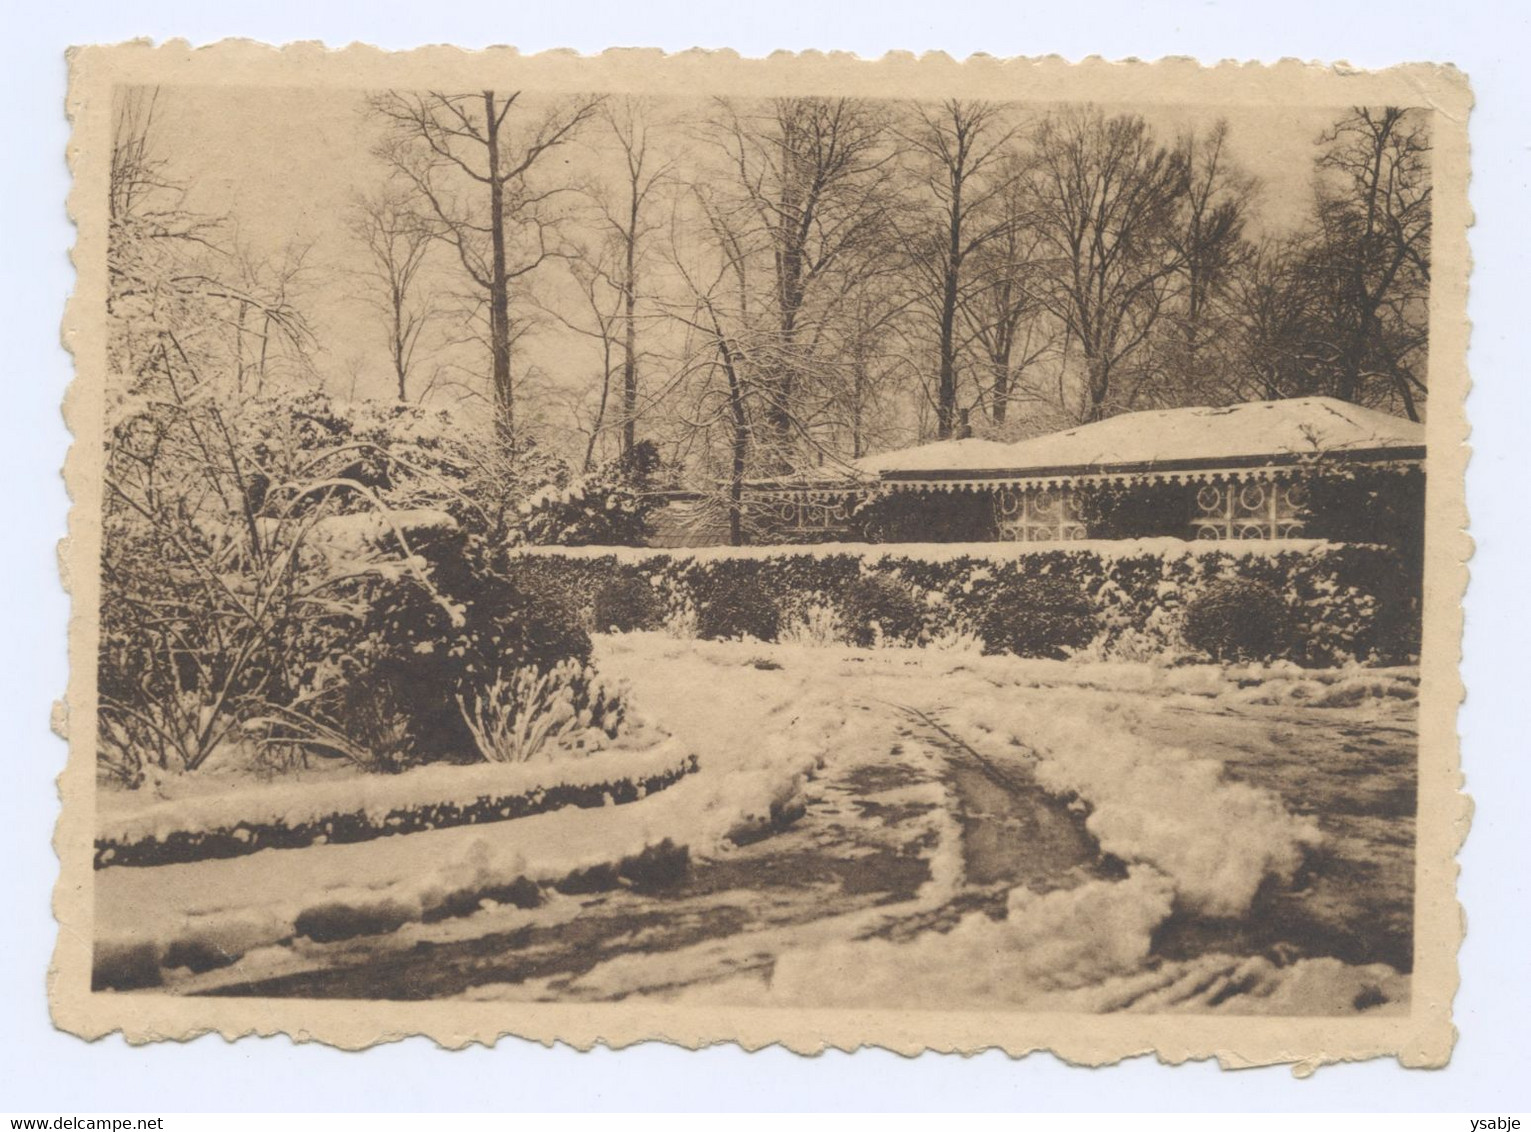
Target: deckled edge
(1085, 1040)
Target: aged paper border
(1424, 1037)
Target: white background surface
(42, 1070)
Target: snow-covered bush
(242, 538)
(1046, 617)
(818, 625)
(516, 713)
(881, 608)
(1239, 619)
(956, 641)
(680, 621)
(418, 654)
(624, 604)
(605, 506)
(732, 607)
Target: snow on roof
(1301, 426)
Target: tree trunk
(630, 342)
(1000, 399)
(946, 394)
(499, 286)
(858, 392)
(399, 368)
(741, 440)
(1100, 388)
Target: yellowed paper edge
(1424, 1037)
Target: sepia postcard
(908, 553)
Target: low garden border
(181, 846)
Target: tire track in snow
(1014, 832)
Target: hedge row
(180, 846)
(1341, 601)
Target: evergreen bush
(736, 608)
(881, 607)
(1240, 619)
(1042, 617)
(624, 604)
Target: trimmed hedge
(179, 847)
(1346, 600)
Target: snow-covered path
(923, 859)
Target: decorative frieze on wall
(1046, 515)
(1249, 509)
(802, 514)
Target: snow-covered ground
(974, 831)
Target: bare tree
(1208, 242)
(877, 374)
(716, 360)
(1002, 311)
(473, 173)
(625, 217)
(1106, 199)
(961, 154)
(1372, 253)
(233, 308)
(601, 321)
(807, 194)
(1276, 313)
(272, 335)
(397, 239)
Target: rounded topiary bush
(1240, 619)
(1038, 616)
(737, 607)
(878, 607)
(624, 604)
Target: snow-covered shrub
(1123, 633)
(606, 506)
(1240, 619)
(734, 608)
(418, 653)
(818, 625)
(1359, 605)
(624, 604)
(881, 608)
(348, 720)
(516, 713)
(1045, 617)
(242, 539)
(680, 621)
(586, 511)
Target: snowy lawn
(972, 831)
(1271, 870)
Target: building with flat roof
(1306, 467)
